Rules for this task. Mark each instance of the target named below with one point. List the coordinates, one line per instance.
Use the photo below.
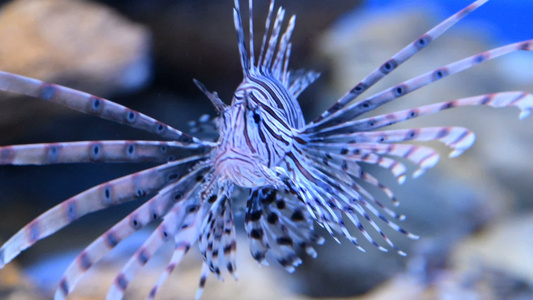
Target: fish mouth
(245, 170)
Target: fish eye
(256, 116)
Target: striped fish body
(256, 133)
(267, 95)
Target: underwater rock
(80, 44)
(15, 286)
(493, 264)
(505, 246)
(254, 281)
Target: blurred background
(474, 213)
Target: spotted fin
(288, 226)
(90, 104)
(398, 59)
(353, 173)
(93, 151)
(370, 103)
(156, 240)
(151, 211)
(174, 221)
(96, 198)
(524, 101)
(279, 224)
(256, 236)
(332, 198)
(217, 240)
(184, 239)
(203, 279)
(342, 170)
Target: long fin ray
(175, 220)
(406, 87)
(96, 198)
(399, 58)
(522, 100)
(92, 105)
(152, 210)
(93, 151)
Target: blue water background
(509, 20)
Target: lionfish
(294, 172)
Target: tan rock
(254, 282)
(506, 246)
(82, 44)
(15, 286)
